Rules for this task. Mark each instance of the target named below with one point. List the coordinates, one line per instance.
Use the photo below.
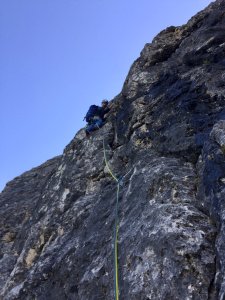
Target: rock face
(166, 132)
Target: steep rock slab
(19, 200)
(68, 253)
(211, 194)
(160, 133)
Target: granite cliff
(166, 129)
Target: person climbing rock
(95, 116)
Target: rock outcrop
(166, 132)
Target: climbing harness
(119, 182)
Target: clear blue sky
(59, 56)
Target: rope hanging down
(119, 182)
(116, 227)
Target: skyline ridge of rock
(166, 130)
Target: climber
(95, 116)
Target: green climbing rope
(107, 165)
(116, 228)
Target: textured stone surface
(166, 131)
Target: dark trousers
(95, 124)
